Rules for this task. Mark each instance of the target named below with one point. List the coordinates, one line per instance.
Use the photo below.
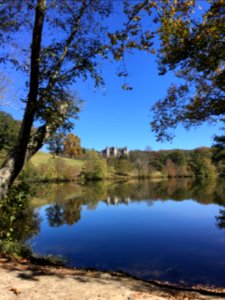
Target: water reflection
(166, 230)
(66, 200)
(221, 219)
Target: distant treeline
(203, 162)
(91, 165)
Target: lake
(167, 231)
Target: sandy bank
(24, 280)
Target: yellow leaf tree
(72, 147)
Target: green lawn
(46, 158)
(44, 167)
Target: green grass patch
(45, 167)
(47, 158)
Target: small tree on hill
(72, 147)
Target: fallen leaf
(15, 291)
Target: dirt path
(30, 281)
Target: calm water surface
(171, 231)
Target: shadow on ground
(31, 271)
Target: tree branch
(58, 66)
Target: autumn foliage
(72, 146)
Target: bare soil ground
(25, 280)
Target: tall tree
(68, 39)
(192, 44)
(219, 153)
(72, 147)
(14, 163)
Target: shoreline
(18, 276)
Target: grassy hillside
(44, 167)
(46, 158)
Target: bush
(95, 168)
(15, 248)
(18, 222)
(64, 171)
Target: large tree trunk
(20, 154)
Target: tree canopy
(192, 45)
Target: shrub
(95, 168)
(64, 171)
(18, 222)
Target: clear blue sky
(121, 118)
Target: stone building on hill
(115, 152)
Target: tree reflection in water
(221, 219)
(66, 201)
(67, 213)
